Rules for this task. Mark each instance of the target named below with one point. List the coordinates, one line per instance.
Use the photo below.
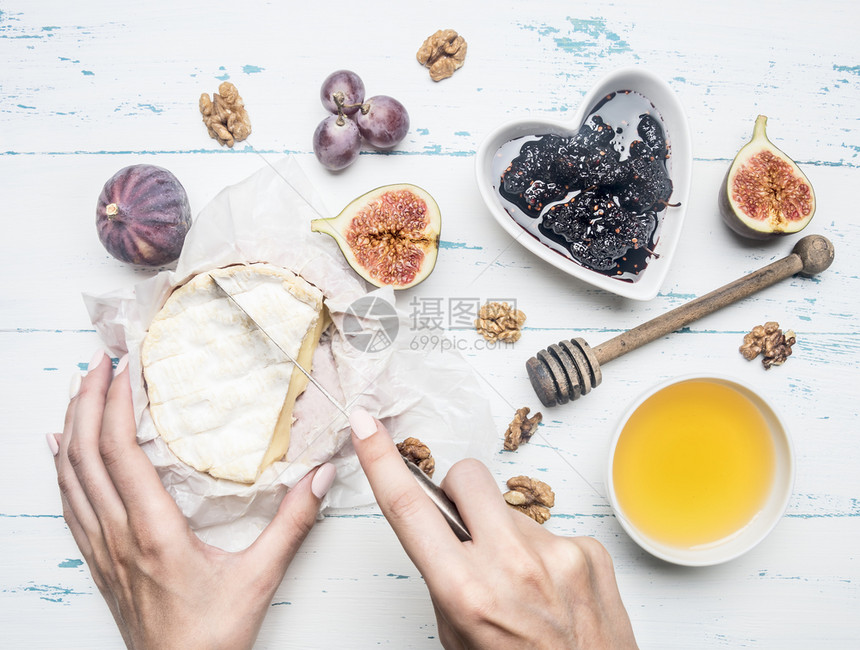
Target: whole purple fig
(143, 215)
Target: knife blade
(289, 356)
(434, 492)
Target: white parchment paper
(432, 395)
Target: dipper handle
(812, 256)
(695, 309)
(565, 371)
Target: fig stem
(760, 127)
(111, 210)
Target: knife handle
(441, 500)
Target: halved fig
(764, 192)
(390, 235)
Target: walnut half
(521, 429)
(225, 116)
(498, 321)
(414, 450)
(530, 496)
(444, 52)
(770, 341)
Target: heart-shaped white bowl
(647, 283)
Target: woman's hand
(515, 585)
(164, 587)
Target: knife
(437, 495)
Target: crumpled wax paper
(432, 395)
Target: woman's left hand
(164, 587)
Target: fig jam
(596, 197)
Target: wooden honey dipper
(569, 369)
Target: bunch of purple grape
(382, 121)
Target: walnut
(443, 52)
(225, 116)
(500, 322)
(416, 451)
(521, 429)
(771, 342)
(531, 497)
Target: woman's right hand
(515, 585)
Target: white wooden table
(87, 88)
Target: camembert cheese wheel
(220, 393)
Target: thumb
(278, 544)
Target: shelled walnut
(498, 321)
(444, 52)
(531, 497)
(416, 451)
(770, 341)
(521, 429)
(225, 116)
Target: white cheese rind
(217, 385)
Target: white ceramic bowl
(649, 280)
(757, 529)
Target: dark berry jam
(597, 196)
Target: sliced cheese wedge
(220, 393)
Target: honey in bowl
(694, 464)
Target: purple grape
(383, 121)
(349, 85)
(337, 142)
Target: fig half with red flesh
(764, 193)
(389, 236)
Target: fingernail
(53, 445)
(323, 479)
(98, 357)
(362, 423)
(121, 365)
(74, 385)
